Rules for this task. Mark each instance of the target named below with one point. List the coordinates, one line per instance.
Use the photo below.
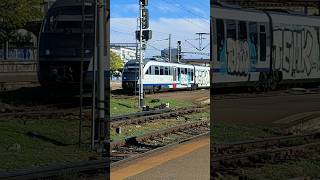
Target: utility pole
(94, 79)
(101, 126)
(179, 51)
(169, 47)
(143, 35)
(141, 98)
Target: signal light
(146, 35)
(144, 2)
(145, 19)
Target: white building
(125, 54)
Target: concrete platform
(186, 161)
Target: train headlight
(47, 52)
(87, 51)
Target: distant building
(126, 54)
(174, 54)
(26, 47)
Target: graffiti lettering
(296, 51)
(238, 58)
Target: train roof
(271, 11)
(262, 15)
(158, 60)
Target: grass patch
(139, 130)
(308, 167)
(239, 132)
(145, 128)
(130, 104)
(18, 150)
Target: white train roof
(239, 14)
(162, 63)
(242, 14)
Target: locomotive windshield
(69, 20)
(62, 32)
(131, 71)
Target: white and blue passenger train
(263, 49)
(161, 75)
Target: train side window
(178, 71)
(263, 43)
(231, 30)
(161, 70)
(166, 71)
(184, 71)
(242, 31)
(253, 40)
(220, 37)
(156, 70)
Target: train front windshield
(62, 32)
(130, 73)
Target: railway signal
(145, 18)
(142, 35)
(146, 35)
(179, 51)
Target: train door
(174, 74)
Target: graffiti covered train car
(159, 75)
(263, 49)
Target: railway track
(122, 151)
(116, 121)
(288, 92)
(229, 158)
(153, 115)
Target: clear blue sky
(181, 18)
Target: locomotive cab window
(220, 38)
(149, 70)
(263, 43)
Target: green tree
(14, 14)
(116, 63)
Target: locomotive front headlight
(47, 52)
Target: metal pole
(169, 47)
(141, 62)
(81, 71)
(135, 71)
(178, 52)
(101, 67)
(94, 71)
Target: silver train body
(263, 48)
(161, 75)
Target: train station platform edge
(147, 163)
